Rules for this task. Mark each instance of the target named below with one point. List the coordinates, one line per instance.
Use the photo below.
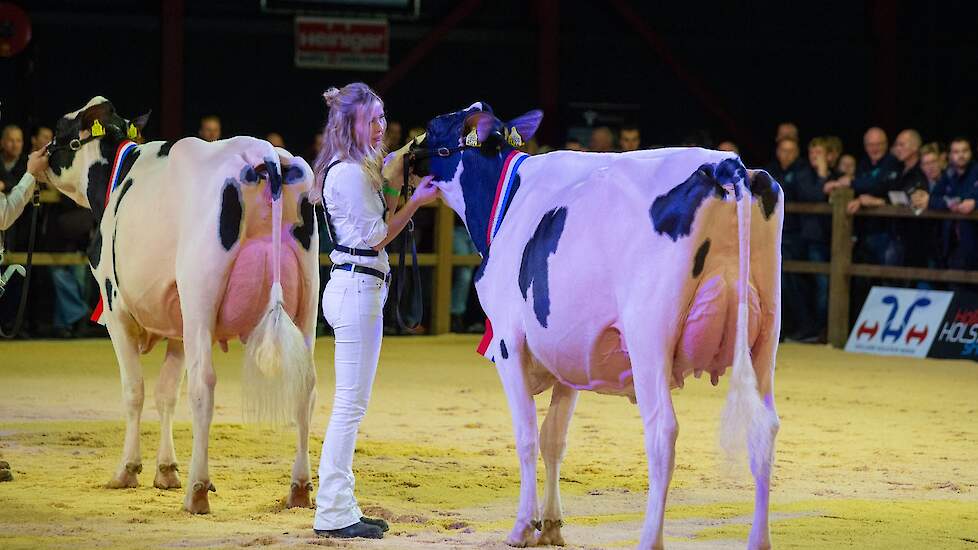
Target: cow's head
(84, 146)
(464, 151)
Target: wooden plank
(808, 208)
(46, 258)
(838, 317)
(914, 273)
(905, 212)
(795, 266)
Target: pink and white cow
(621, 274)
(190, 248)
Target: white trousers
(353, 305)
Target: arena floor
(873, 453)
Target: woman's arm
(425, 193)
(12, 204)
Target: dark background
(734, 69)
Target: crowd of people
(922, 176)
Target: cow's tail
(744, 413)
(278, 369)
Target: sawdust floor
(873, 453)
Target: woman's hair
(349, 120)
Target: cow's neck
(99, 171)
(482, 179)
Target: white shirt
(356, 210)
(13, 203)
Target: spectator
(393, 136)
(210, 128)
(728, 146)
(313, 150)
(930, 165)
(573, 144)
(602, 140)
(13, 163)
(42, 136)
(847, 166)
(833, 150)
(275, 139)
(786, 130)
(956, 192)
(415, 132)
(630, 138)
(797, 182)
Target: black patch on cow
(292, 174)
(274, 175)
(700, 258)
(95, 250)
(115, 263)
(122, 193)
(249, 176)
(673, 213)
(108, 293)
(533, 268)
(503, 350)
(98, 180)
(763, 186)
(731, 171)
(231, 215)
(481, 269)
(302, 231)
(165, 149)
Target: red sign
(332, 43)
(15, 29)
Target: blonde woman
(360, 204)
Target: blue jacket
(797, 182)
(876, 179)
(963, 186)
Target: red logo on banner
(331, 43)
(865, 329)
(919, 334)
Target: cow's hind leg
(651, 367)
(512, 372)
(553, 442)
(125, 344)
(301, 475)
(167, 389)
(762, 433)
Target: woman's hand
(853, 206)
(37, 162)
(920, 199)
(425, 192)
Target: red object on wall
(15, 29)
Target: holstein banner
(334, 43)
(899, 321)
(957, 337)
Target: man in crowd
(41, 136)
(210, 128)
(786, 130)
(630, 138)
(602, 140)
(956, 191)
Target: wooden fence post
(841, 259)
(442, 284)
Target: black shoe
(376, 521)
(357, 530)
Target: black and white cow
(622, 274)
(191, 248)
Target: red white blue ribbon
(121, 153)
(504, 192)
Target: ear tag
(132, 132)
(514, 138)
(472, 140)
(97, 130)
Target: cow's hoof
(6, 475)
(550, 533)
(299, 495)
(166, 477)
(522, 534)
(4, 465)
(196, 500)
(127, 477)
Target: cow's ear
(527, 124)
(99, 112)
(141, 120)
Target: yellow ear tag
(132, 132)
(514, 138)
(472, 140)
(97, 129)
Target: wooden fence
(840, 268)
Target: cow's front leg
(201, 380)
(124, 343)
(167, 388)
(553, 443)
(651, 369)
(510, 365)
